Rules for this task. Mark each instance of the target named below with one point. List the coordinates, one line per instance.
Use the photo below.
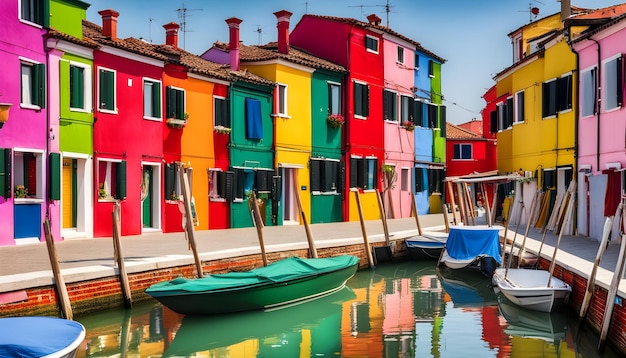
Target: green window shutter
(39, 84)
(107, 90)
(170, 180)
(358, 98)
(354, 176)
(366, 101)
(156, 99)
(169, 104)
(180, 104)
(419, 113)
(77, 87)
(315, 175)
(229, 180)
(238, 183)
(120, 184)
(443, 120)
(5, 172)
(54, 160)
(330, 175)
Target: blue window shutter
(254, 125)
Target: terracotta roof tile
(363, 24)
(456, 132)
(87, 42)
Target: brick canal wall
(102, 294)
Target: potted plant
(408, 125)
(102, 192)
(20, 191)
(222, 130)
(335, 120)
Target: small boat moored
(280, 283)
(473, 247)
(426, 246)
(35, 336)
(532, 289)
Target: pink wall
(26, 128)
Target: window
(221, 112)
(589, 93)
(510, 110)
(435, 180)
(334, 98)
(32, 11)
(549, 179)
(417, 62)
(493, 121)
(33, 84)
(432, 116)
(501, 114)
(505, 113)
(281, 101)
(557, 96)
(111, 179)
(407, 109)
(613, 82)
(418, 112)
(462, 151)
(28, 171)
(106, 90)
(404, 179)
(151, 99)
(519, 107)
(173, 186)
(371, 44)
(361, 99)
(431, 68)
(174, 103)
(80, 87)
(325, 175)
(442, 119)
(245, 180)
(390, 110)
(220, 185)
(364, 172)
(419, 174)
(518, 49)
(400, 58)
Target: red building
(357, 46)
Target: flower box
(409, 126)
(335, 120)
(176, 123)
(222, 130)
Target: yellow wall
(531, 145)
(293, 133)
(369, 206)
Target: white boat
(474, 247)
(530, 289)
(429, 245)
(48, 337)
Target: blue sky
(470, 34)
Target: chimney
(233, 45)
(373, 19)
(283, 30)
(171, 34)
(109, 23)
(566, 9)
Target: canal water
(403, 309)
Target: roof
(574, 11)
(615, 15)
(169, 54)
(456, 132)
(87, 42)
(270, 52)
(385, 29)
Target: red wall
(127, 136)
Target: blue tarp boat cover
(279, 271)
(37, 336)
(468, 242)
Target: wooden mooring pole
(307, 228)
(189, 229)
(368, 248)
(119, 255)
(258, 222)
(64, 299)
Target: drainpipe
(599, 105)
(45, 159)
(576, 112)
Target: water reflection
(408, 309)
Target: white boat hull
(529, 288)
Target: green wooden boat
(283, 282)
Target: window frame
(36, 14)
(519, 103)
(154, 96)
(373, 40)
(458, 152)
(416, 59)
(405, 179)
(175, 97)
(321, 182)
(109, 181)
(103, 107)
(331, 98)
(282, 100)
(222, 103)
(589, 92)
(400, 55)
(219, 190)
(86, 87)
(364, 172)
(407, 109)
(18, 174)
(32, 84)
(612, 82)
(363, 100)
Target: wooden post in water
(529, 218)
(383, 216)
(368, 249)
(258, 222)
(417, 219)
(446, 220)
(64, 299)
(470, 204)
(449, 185)
(119, 255)
(462, 204)
(610, 299)
(307, 229)
(189, 218)
(568, 212)
(486, 205)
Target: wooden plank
(610, 299)
(119, 255)
(486, 205)
(452, 203)
(305, 222)
(64, 299)
(258, 222)
(571, 199)
(189, 229)
(368, 248)
(461, 203)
